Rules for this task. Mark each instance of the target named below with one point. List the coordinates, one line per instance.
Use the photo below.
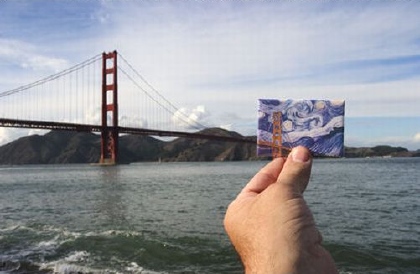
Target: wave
(72, 264)
(50, 249)
(356, 259)
(64, 267)
(56, 250)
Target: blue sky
(221, 56)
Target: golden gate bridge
(91, 97)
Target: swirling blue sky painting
(315, 124)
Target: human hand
(270, 224)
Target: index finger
(265, 177)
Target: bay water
(168, 217)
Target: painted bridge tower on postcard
(109, 133)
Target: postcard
(315, 124)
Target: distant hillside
(379, 151)
(57, 147)
(185, 149)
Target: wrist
(269, 268)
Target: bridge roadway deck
(128, 130)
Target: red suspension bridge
(90, 97)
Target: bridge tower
(109, 132)
(277, 140)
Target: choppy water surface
(167, 218)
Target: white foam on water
(135, 268)
(72, 264)
(69, 234)
(48, 244)
(66, 264)
(114, 233)
(41, 230)
(70, 269)
(13, 228)
(77, 256)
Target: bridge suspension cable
(169, 106)
(52, 76)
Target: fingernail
(300, 155)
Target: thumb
(296, 172)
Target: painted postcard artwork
(315, 124)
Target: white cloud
(44, 63)
(132, 121)
(226, 127)
(5, 136)
(8, 135)
(416, 138)
(36, 132)
(27, 56)
(191, 118)
(93, 116)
